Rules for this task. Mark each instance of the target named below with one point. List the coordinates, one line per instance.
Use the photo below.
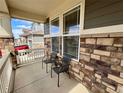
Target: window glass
(72, 21)
(55, 26)
(71, 44)
(60, 46)
(55, 44)
(46, 27)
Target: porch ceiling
(32, 9)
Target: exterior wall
(103, 13)
(100, 67)
(6, 38)
(101, 50)
(5, 26)
(6, 45)
(37, 27)
(47, 43)
(38, 41)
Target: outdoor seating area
(34, 79)
(61, 46)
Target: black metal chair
(61, 67)
(49, 59)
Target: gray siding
(99, 13)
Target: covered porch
(33, 79)
(89, 32)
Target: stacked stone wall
(100, 67)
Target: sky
(18, 25)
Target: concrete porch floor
(33, 79)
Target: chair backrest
(53, 56)
(66, 60)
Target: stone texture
(115, 78)
(78, 76)
(87, 72)
(120, 49)
(98, 88)
(98, 76)
(118, 42)
(90, 41)
(101, 63)
(117, 68)
(86, 50)
(120, 89)
(119, 34)
(75, 70)
(111, 48)
(81, 74)
(118, 45)
(89, 68)
(121, 62)
(117, 55)
(95, 56)
(85, 58)
(109, 60)
(98, 80)
(105, 41)
(108, 85)
(100, 52)
(121, 74)
(110, 90)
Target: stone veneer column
(47, 43)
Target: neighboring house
(34, 39)
(20, 41)
(37, 27)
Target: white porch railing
(5, 73)
(29, 56)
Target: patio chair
(49, 59)
(61, 67)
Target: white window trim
(61, 34)
(77, 60)
(103, 30)
(55, 34)
(74, 34)
(81, 23)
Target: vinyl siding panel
(103, 13)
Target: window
(71, 44)
(55, 26)
(72, 21)
(55, 44)
(67, 44)
(71, 24)
(46, 27)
